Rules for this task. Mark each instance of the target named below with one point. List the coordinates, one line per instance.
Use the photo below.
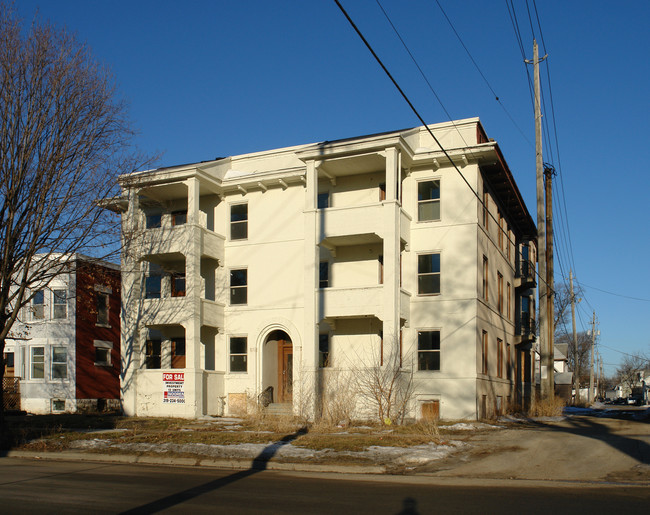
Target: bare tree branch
(64, 139)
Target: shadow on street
(259, 464)
(590, 428)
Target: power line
(426, 126)
(420, 70)
(496, 97)
(640, 299)
(621, 352)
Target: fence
(11, 393)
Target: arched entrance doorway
(278, 368)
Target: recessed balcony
(353, 225)
(367, 301)
(176, 310)
(177, 239)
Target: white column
(193, 195)
(131, 343)
(194, 374)
(309, 355)
(391, 290)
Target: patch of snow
(469, 426)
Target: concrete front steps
(279, 409)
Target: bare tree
(388, 387)
(627, 374)
(64, 139)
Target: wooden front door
(285, 371)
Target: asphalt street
(37, 486)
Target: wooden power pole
(549, 171)
(546, 392)
(590, 396)
(576, 354)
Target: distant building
(268, 277)
(66, 355)
(562, 377)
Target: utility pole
(576, 354)
(603, 389)
(541, 235)
(591, 367)
(549, 172)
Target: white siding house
(297, 269)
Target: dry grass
(57, 433)
(547, 408)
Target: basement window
(58, 405)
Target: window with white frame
(428, 350)
(238, 354)
(239, 221)
(38, 305)
(58, 405)
(59, 363)
(239, 286)
(102, 308)
(428, 200)
(103, 353)
(38, 363)
(429, 274)
(60, 304)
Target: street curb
(373, 473)
(227, 464)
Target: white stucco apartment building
(278, 269)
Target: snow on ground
(469, 426)
(416, 455)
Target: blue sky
(207, 79)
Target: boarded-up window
(431, 410)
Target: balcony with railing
(525, 329)
(525, 277)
